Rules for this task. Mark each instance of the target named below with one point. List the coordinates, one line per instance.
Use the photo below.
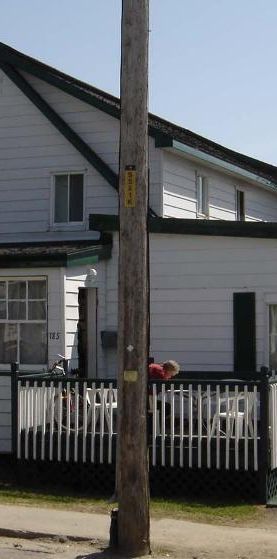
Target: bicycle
(68, 404)
(57, 369)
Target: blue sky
(212, 62)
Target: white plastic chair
(234, 417)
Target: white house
(213, 264)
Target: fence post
(264, 452)
(14, 401)
(65, 366)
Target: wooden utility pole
(133, 342)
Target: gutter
(215, 161)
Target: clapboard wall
(179, 192)
(101, 132)
(32, 150)
(193, 281)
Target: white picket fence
(49, 412)
(191, 425)
(209, 422)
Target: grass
(205, 511)
(196, 511)
(49, 498)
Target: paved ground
(170, 538)
(19, 549)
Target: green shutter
(244, 332)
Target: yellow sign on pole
(130, 376)
(130, 186)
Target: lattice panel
(218, 484)
(93, 479)
(271, 485)
(164, 482)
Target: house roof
(161, 129)
(55, 254)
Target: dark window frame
(240, 205)
(70, 209)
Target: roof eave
(170, 144)
(67, 258)
(177, 226)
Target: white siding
(192, 284)
(32, 150)
(97, 128)
(193, 279)
(74, 279)
(101, 132)
(179, 186)
(155, 178)
(25, 163)
(5, 415)
(111, 305)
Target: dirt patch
(188, 540)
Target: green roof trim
(86, 260)
(58, 79)
(103, 222)
(89, 256)
(163, 141)
(174, 226)
(82, 91)
(28, 261)
(56, 255)
(75, 140)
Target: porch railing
(192, 424)
(66, 420)
(209, 425)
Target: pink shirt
(156, 371)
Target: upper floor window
(202, 196)
(69, 198)
(240, 205)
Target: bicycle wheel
(65, 413)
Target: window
(273, 337)
(240, 206)
(202, 196)
(23, 326)
(69, 198)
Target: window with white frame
(240, 205)
(23, 321)
(68, 198)
(272, 337)
(202, 196)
